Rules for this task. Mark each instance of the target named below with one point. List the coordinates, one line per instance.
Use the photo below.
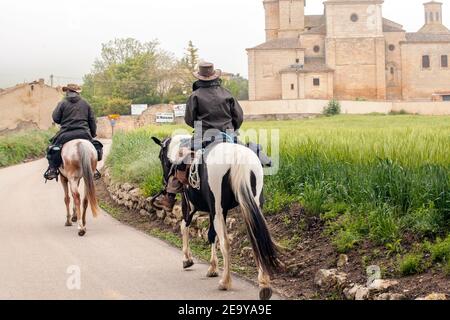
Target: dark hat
(206, 72)
(72, 87)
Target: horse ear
(157, 141)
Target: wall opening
(444, 61)
(426, 62)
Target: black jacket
(214, 106)
(77, 120)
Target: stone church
(350, 52)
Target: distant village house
(28, 105)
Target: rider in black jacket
(77, 121)
(214, 108)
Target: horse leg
(77, 200)
(187, 255)
(65, 184)
(74, 214)
(85, 206)
(221, 229)
(265, 291)
(213, 270)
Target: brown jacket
(214, 106)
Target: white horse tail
(263, 246)
(88, 176)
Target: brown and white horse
(79, 162)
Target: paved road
(39, 256)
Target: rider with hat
(77, 121)
(210, 108)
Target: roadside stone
(246, 252)
(362, 293)
(330, 278)
(342, 261)
(434, 297)
(168, 221)
(295, 269)
(178, 213)
(350, 292)
(202, 221)
(144, 213)
(231, 222)
(127, 187)
(380, 285)
(161, 214)
(390, 296)
(136, 193)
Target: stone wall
(309, 106)
(131, 198)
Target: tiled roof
(282, 43)
(311, 65)
(427, 37)
(391, 26)
(314, 20)
(435, 29)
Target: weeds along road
(39, 257)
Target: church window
(392, 70)
(292, 86)
(316, 82)
(316, 49)
(431, 17)
(297, 60)
(391, 47)
(354, 17)
(444, 61)
(437, 16)
(426, 62)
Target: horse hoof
(223, 287)
(68, 224)
(187, 264)
(74, 219)
(81, 233)
(265, 294)
(212, 274)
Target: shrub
(18, 147)
(333, 108)
(440, 251)
(383, 226)
(345, 240)
(410, 264)
(314, 197)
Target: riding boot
(54, 161)
(166, 202)
(51, 173)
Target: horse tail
(264, 248)
(88, 176)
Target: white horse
(231, 175)
(79, 162)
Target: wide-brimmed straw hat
(206, 72)
(72, 87)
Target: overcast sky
(43, 37)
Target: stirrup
(97, 175)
